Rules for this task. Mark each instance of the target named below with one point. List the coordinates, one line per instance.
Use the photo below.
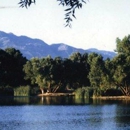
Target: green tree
(40, 72)
(121, 73)
(46, 71)
(96, 72)
(80, 69)
(3, 67)
(14, 75)
(123, 46)
(76, 57)
(108, 74)
(58, 75)
(68, 72)
(32, 71)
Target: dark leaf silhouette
(71, 6)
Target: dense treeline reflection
(71, 100)
(86, 74)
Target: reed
(22, 91)
(84, 92)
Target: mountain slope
(30, 47)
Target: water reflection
(63, 113)
(37, 100)
(123, 115)
(59, 100)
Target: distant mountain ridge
(30, 47)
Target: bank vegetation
(85, 75)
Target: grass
(22, 91)
(84, 92)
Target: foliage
(26, 3)
(80, 69)
(71, 6)
(11, 65)
(123, 46)
(121, 73)
(57, 74)
(107, 79)
(96, 72)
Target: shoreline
(72, 94)
(56, 94)
(112, 97)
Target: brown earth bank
(100, 97)
(112, 97)
(57, 94)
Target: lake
(63, 113)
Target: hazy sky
(98, 23)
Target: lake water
(63, 114)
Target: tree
(33, 73)
(76, 57)
(46, 71)
(96, 72)
(71, 6)
(31, 70)
(121, 73)
(68, 72)
(3, 66)
(14, 75)
(123, 46)
(108, 74)
(40, 72)
(58, 74)
(80, 69)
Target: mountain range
(31, 47)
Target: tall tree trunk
(49, 87)
(55, 89)
(42, 90)
(125, 90)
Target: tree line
(68, 74)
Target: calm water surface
(63, 114)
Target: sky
(97, 24)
